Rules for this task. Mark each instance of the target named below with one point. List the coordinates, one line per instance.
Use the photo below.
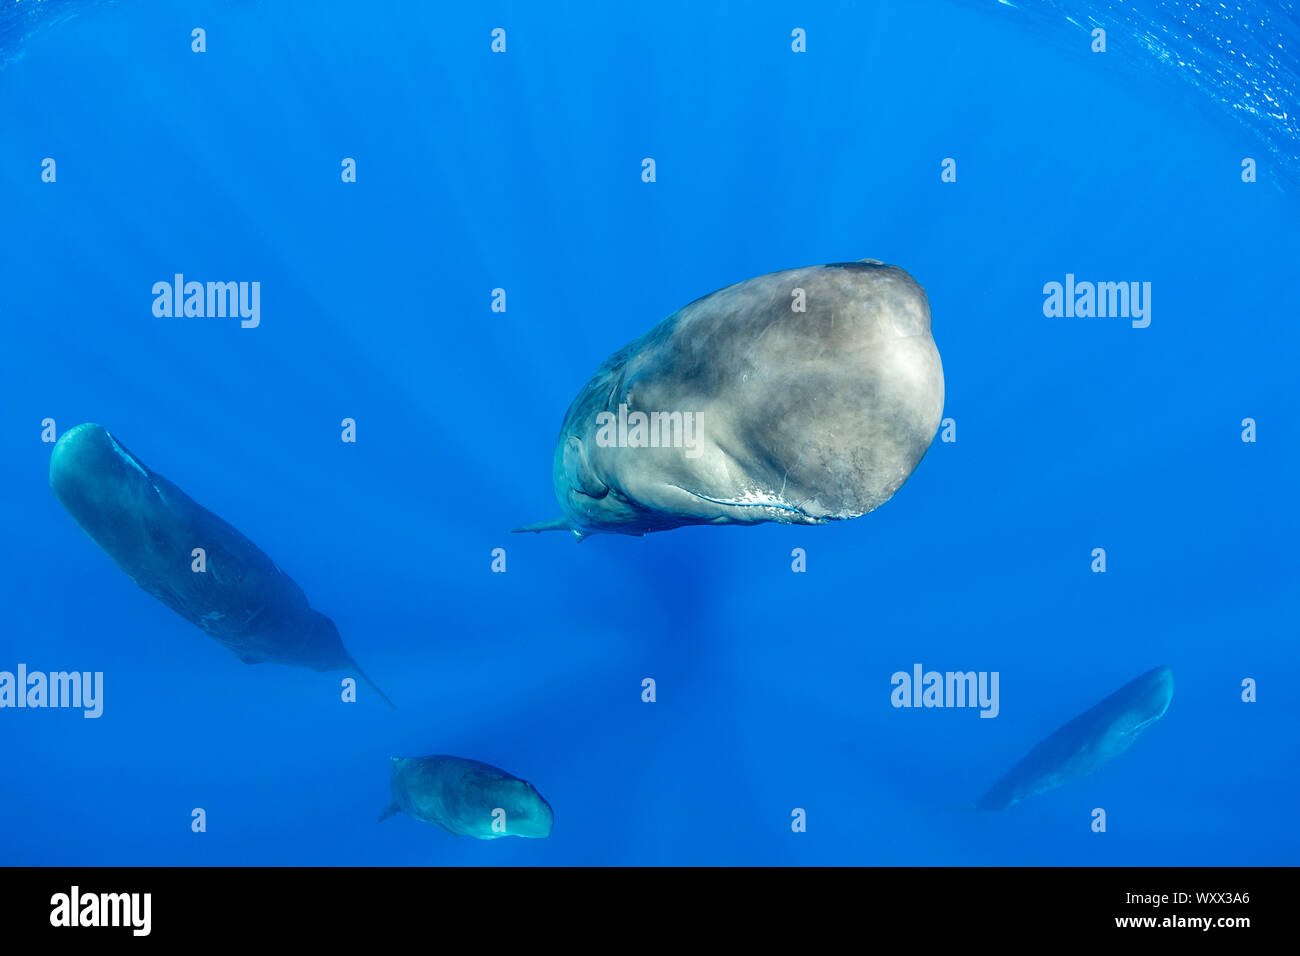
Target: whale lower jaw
(750, 509)
(766, 507)
(1141, 725)
(130, 459)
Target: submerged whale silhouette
(798, 397)
(1086, 742)
(467, 798)
(150, 528)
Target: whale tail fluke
(555, 524)
(391, 810)
(372, 685)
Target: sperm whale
(798, 397)
(1095, 737)
(153, 531)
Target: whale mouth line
(126, 455)
(1143, 725)
(780, 504)
(763, 502)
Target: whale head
(89, 472)
(106, 489)
(527, 812)
(800, 397)
(1148, 697)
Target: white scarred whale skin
(801, 417)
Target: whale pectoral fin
(391, 810)
(555, 524)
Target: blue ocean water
(522, 171)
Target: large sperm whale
(467, 798)
(150, 528)
(1086, 742)
(800, 397)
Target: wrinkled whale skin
(805, 417)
